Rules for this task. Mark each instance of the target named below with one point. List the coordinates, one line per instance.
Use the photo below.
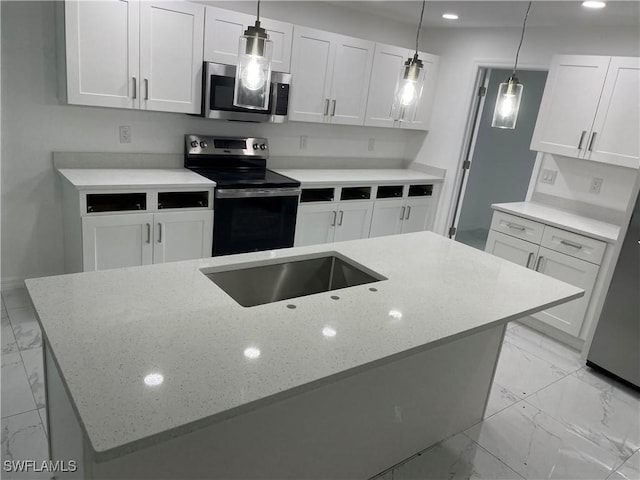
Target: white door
(615, 130)
(115, 241)
(350, 82)
(281, 34)
(569, 316)
(311, 66)
(569, 104)
(387, 62)
(387, 217)
(222, 31)
(182, 235)
(354, 220)
(171, 43)
(419, 215)
(512, 249)
(102, 53)
(315, 224)
(423, 111)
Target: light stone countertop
(105, 178)
(562, 219)
(381, 176)
(109, 330)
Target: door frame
(483, 72)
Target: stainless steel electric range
(254, 207)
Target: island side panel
(354, 427)
(66, 439)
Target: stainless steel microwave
(217, 97)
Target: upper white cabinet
(223, 29)
(331, 76)
(591, 109)
(133, 54)
(387, 62)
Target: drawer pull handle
(529, 259)
(538, 264)
(584, 132)
(570, 244)
(402, 213)
(516, 227)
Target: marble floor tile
(33, 364)
(593, 413)
(545, 347)
(16, 392)
(538, 446)
(43, 417)
(607, 384)
(16, 298)
(499, 399)
(524, 373)
(8, 340)
(459, 457)
(25, 328)
(630, 470)
(23, 439)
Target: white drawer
(573, 244)
(517, 226)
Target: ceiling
(502, 13)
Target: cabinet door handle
(529, 259)
(593, 137)
(326, 107)
(146, 89)
(159, 232)
(333, 108)
(571, 244)
(341, 217)
(539, 262)
(333, 218)
(135, 88)
(408, 212)
(402, 213)
(148, 233)
(516, 227)
(584, 132)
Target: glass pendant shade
(253, 72)
(505, 113)
(408, 90)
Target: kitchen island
(156, 372)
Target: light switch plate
(303, 142)
(125, 134)
(548, 176)
(596, 184)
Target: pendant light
(253, 73)
(409, 84)
(505, 113)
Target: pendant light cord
(258, 12)
(524, 24)
(420, 25)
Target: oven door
(250, 220)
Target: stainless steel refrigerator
(616, 343)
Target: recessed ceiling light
(593, 4)
(450, 16)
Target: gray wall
(502, 162)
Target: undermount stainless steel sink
(279, 281)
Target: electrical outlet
(596, 184)
(125, 134)
(548, 176)
(372, 144)
(303, 142)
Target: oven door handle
(257, 192)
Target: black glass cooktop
(250, 178)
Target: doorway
(500, 160)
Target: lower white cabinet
(127, 240)
(412, 213)
(558, 254)
(328, 222)
(353, 220)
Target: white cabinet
(591, 109)
(353, 220)
(223, 29)
(182, 235)
(134, 54)
(387, 63)
(392, 215)
(388, 217)
(331, 76)
(566, 256)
